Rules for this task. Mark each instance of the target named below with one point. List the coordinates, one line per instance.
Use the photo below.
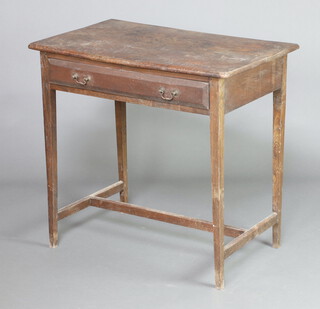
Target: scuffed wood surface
(121, 133)
(250, 85)
(123, 98)
(83, 203)
(161, 48)
(50, 134)
(250, 234)
(279, 113)
(153, 214)
(217, 104)
(131, 83)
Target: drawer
(134, 84)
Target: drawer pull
(173, 94)
(86, 79)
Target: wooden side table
(169, 68)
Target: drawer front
(130, 83)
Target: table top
(162, 48)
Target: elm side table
(169, 68)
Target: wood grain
(109, 190)
(250, 234)
(164, 49)
(279, 111)
(73, 208)
(164, 216)
(121, 131)
(176, 107)
(50, 132)
(250, 85)
(123, 67)
(83, 203)
(152, 214)
(217, 103)
(232, 231)
(130, 83)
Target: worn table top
(161, 48)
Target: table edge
(169, 68)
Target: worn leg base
(83, 203)
(276, 243)
(54, 240)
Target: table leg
(50, 131)
(217, 172)
(120, 113)
(279, 109)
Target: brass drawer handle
(75, 77)
(173, 94)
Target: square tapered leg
(50, 132)
(217, 172)
(279, 110)
(121, 129)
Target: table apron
(140, 85)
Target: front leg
(217, 173)
(279, 110)
(50, 132)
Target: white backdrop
(168, 154)
(180, 147)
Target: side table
(169, 68)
